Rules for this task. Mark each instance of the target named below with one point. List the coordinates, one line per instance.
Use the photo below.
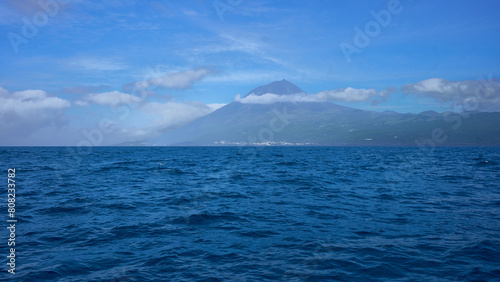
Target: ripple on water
(282, 213)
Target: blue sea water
(254, 214)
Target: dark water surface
(257, 214)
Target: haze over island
(84, 72)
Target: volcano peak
(282, 87)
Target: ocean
(253, 213)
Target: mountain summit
(283, 87)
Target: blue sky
(135, 69)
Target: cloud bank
(29, 102)
(170, 115)
(339, 95)
(24, 113)
(467, 95)
(113, 98)
(161, 118)
(33, 117)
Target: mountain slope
(315, 123)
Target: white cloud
(81, 103)
(3, 92)
(27, 116)
(114, 99)
(340, 95)
(176, 80)
(247, 46)
(352, 95)
(152, 119)
(270, 98)
(29, 102)
(171, 114)
(483, 95)
(250, 44)
(215, 106)
(160, 118)
(23, 113)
